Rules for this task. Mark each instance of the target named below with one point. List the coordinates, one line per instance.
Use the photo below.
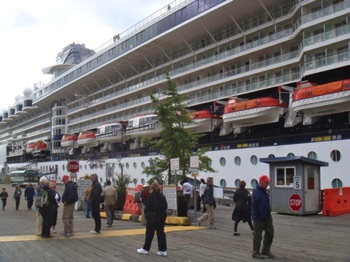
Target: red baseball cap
(264, 178)
(65, 177)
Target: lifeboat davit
(35, 146)
(317, 100)
(203, 121)
(111, 132)
(87, 139)
(239, 114)
(69, 140)
(144, 125)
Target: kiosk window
(285, 176)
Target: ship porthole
(254, 160)
(336, 183)
(312, 155)
(222, 161)
(223, 183)
(238, 161)
(335, 155)
(237, 181)
(254, 183)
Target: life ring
(221, 147)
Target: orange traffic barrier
(336, 201)
(130, 206)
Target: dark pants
(29, 202)
(48, 217)
(150, 230)
(249, 223)
(3, 203)
(95, 212)
(18, 199)
(259, 227)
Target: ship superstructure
(214, 50)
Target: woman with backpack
(47, 211)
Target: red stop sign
(295, 202)
(73, 166)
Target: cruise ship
(275, 73)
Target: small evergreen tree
(175, 141)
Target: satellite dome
(18, 98)
(27, 92)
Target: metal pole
(195, 201)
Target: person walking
(48, 211)
(261, 214)
(17, 196)
(110, 200)
(69, 197)
(187, 193)
(201, 194)
(29, 194)
(144, 197)
(4, 195)
(95, 201)
(55, 212)
(210, 204)
(242, 211)
(87, 201)
(156, 205)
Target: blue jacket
(209, 196)
(261, 209)
(69, 194)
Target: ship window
(237, 183)
(63, 167)
(312, 155)
(271, 156)
(336, 183)
(101, 180)
(223, 183)
(142, 181)
(134, 165)
(284, 176)
(290, 155)
(127, 165)
(238, 161)
(335, 155)
(254, 160)
(143, 164)
(85, 167)
(222, 161)
(254, 183)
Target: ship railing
(329, 10)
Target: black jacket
(157, 203)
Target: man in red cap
(69, 197)
(261, 215)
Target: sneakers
(94, 232)
(257, 255)
(142, 251)
(67, 234)
(267, 253)
(162, 253)
(236, 234)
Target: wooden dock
(297, 238)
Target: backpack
(42, 200)
(137, 196)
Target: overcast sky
(33, 32)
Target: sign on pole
(194, 162)
(174, 164)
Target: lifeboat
(87, 139)
(317, 100)
(111, 132)
(144, 125)
(239, 114)
(69, 140)
(203, 121)
(35, 146)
